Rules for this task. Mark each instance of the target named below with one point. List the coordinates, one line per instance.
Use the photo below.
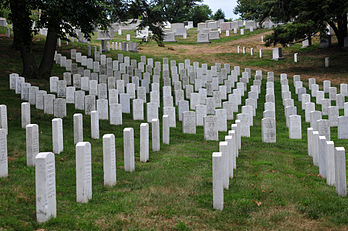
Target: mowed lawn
(275, 186)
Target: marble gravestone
(128, 149)
(83, 172)
(45, 186)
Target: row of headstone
(331, 160)
(244, 51)
(333, 112)
(224, 163)
(293, 120)
(268, 123)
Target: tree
(177, 10)
(200, 13)
(260, 10)
(63, 17)
(151, 17)
(59, 17)
(219, 14)
(302, 19)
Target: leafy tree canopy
(200, 13)
(177, 10)
(302, 18)
(219, 14)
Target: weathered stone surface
(189, 122)
(83, 172)
(218, 172)
(340, 171)
(57, 135)
(210, 128)
(343, 127)
(156, 145)
(144, 142)
(45, 186)
(269, 130)
(3, 153)
(109, 159)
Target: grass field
(275, 187)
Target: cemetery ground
(275, 186)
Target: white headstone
(295, 130)
(109, 159)
(25, 111)
(322, 156)
(218, 172)
(57, 135)
(189, 122)
(83, 172)
(156, 145)
(144, 142)
(165, 129)
(210, 128)
(78, 128)
(3, 117)
(343, 127)
(340, 171)
(45, 186)
(94, 125)
(3, 153)
(128, 149)
(330, 163)
(32, 143)
(116, 114)
(269, 130)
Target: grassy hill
(275, 187)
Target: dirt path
(208, 53)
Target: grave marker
(45, 186)
(32, 143)
(109, 159)
(83, 172)
(144, 142)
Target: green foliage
(5, 9)
(150, 16)
(175, 11)
(66, 15)
(302, 18)
(219, 14)
(200, 13)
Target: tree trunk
(23, 36)
(29, 65)
(342, 30)
(47, 60)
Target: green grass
(174, 190)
